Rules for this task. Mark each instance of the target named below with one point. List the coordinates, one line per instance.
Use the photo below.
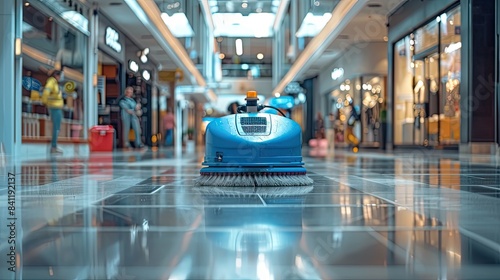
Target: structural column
(478, 85)
(10, 71)
(90, 77)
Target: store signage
(112, 38)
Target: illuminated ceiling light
(239, 47)
(146, 75)
(144, 59)
(178, 24)
(145, 51)
(26, 4)
(222, 56)
(313, 24)
(244, 5)
(239, 25)
(444, 17)
(260, 56)
(133, 66)
(386, 38)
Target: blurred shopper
(233, 107)
(53, 99)
(168, 127)
(129, 118)
(319, 127)
(330, 131)
(353, 118)
(383, 126)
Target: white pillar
(11, 73)
(90, 96)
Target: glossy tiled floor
(410, 215)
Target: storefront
(426, 67)
(355, 108)
(140, 74)
(53, 39)
(110, 74)
(354, 96)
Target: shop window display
(426, 83)
(357, 107)
(403, 91)
(450, 77)
(50, 45)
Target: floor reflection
(368, 216)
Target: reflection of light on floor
(298, 262)
(263, 268)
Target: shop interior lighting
(453, 47)
(144, 58)
(178, 25)
(239, 47)
(337, 73)
(146, 75)
(260, 56)
(133, 66)
(37, 55)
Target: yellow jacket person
(52, 95)
(52, 98)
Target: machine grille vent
(253, 124)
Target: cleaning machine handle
(243, 109)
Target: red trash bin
(101, 138)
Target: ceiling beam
(343, 13)
(280, 14)
(148, 13)
(208, 15)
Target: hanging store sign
(112, 39)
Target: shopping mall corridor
(410, 214)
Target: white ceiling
(119, 13)
(369, 25)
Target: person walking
(129, 118)
(330, 131)
(53, 99)
(319, 127)
(168, 126)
